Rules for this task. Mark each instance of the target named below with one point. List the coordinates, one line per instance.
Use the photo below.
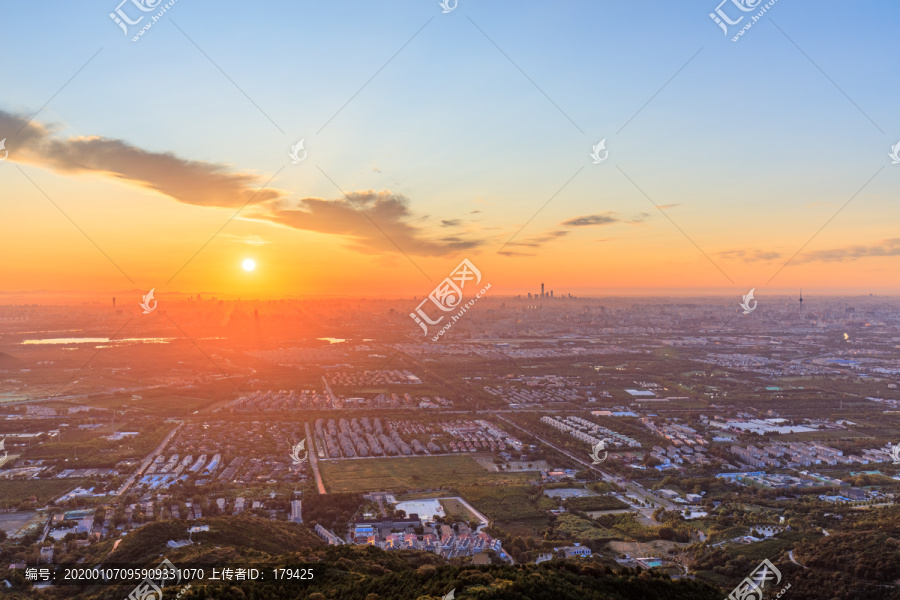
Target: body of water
(93, 340)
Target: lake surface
(93, 340)
(12, 397)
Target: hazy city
(725, 436)
(427, 301)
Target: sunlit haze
(448, 299)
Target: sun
(249, 264)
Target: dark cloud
(188, 181)
(606, 218)
(345, 216)
(451, 223)
(601, 219)
(207, 184)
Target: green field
(367, 475)
(457, 510)
(167, 404)
(14, 492)
(514, 508)
(822, 436)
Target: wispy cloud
(600, 219)
(536, 241)
(251, 240)
(639, 218)
(749, 255)
(888, 247)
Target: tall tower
(542, 290)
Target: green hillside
(239, 533)
(368, 573)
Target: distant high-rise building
(551, 293)
(542, 290)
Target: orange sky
(120, 180)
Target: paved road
(335, 402)
(159, 450)
(793, 560)
(46, 528)
(313, 461)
